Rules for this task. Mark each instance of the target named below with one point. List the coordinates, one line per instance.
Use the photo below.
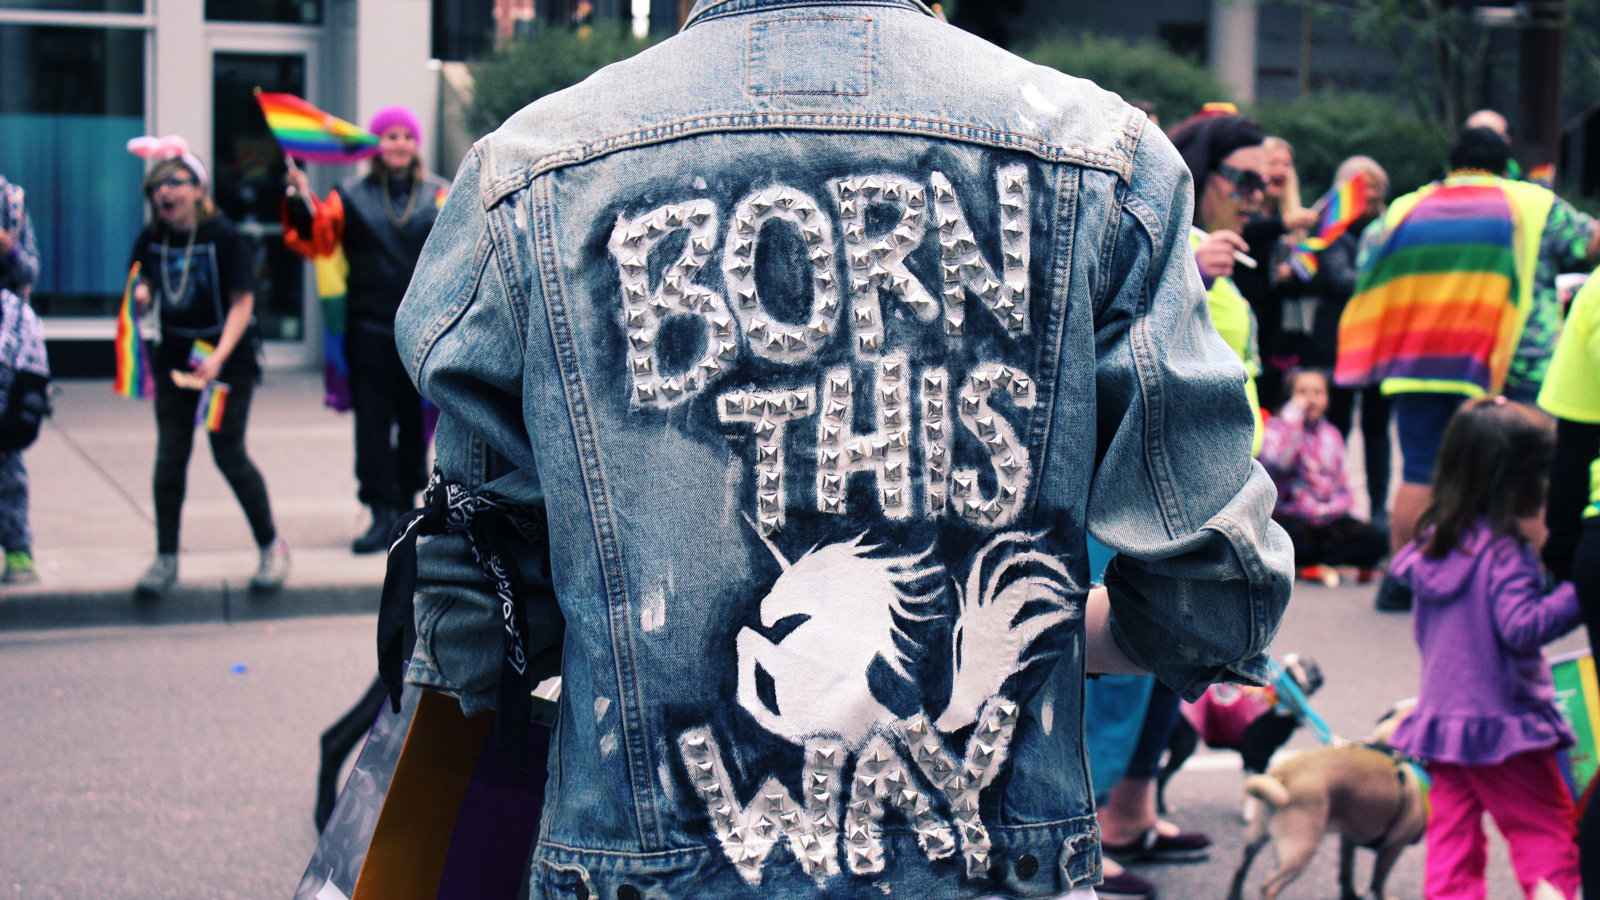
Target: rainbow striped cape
(1341, 207)
(308, 133)
(1440, 303)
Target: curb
(226, 603)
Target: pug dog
(1371, 795)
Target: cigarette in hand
(1243, 259)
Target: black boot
(376, 538)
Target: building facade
(79, 78)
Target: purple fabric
(1306, 461)
(1482, 616)
(497, 822)
(390, 116)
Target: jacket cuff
(1187, 681)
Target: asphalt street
(178, 762)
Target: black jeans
(1577, 445)
(1343, 542)
(175, 428)
(1375, 411)
(1585, 562)
(390, 453)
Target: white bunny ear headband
(170, 147)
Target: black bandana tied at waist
(498, 534)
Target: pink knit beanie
(390, 116)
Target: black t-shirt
(195, 287)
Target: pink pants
(1528, 799)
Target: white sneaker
(160, 577)
(273, 569)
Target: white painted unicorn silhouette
(853, 601)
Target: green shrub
(549, 61)
(1176, 86)
(1327, 127)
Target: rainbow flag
(1341, 207)
(332, 273)
(133, 377)
(213, 401)
(1435, 308)
(200, 352)
(308, 133)
(1578, 698)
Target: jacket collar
(708, 9)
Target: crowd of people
(192, 282)
(1437, 313)
(1434, 315)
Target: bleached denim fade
(668, 553)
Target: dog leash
(1290, 694)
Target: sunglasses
(174, 181)
(1245, 182)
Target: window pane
(249, 179)
(112, 6)
(294, 12)
(463, 30)
(73, 98)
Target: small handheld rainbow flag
(308, 133)
(200, 352)
(1341, 207)
(213, 401)
(133, 376)
(1578, 699)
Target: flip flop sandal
(1126, 886)
(1155, 847)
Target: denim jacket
(824, 333)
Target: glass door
(249, 179)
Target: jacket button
(1027, 866)
(627, 892)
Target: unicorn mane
(989, 644)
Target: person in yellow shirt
(1571, 393)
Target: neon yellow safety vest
(1572, 385)
(1236, 322)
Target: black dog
(1270, 727)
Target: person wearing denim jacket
(822, 335)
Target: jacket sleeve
(461, 343)
(315, 232)
(1202, 574)
(1526, 617)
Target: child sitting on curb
(1305, 455)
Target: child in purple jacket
(1304, 453)
(1486, 720)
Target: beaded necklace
(183, 279)
(388, 204)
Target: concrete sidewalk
(94, 519)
